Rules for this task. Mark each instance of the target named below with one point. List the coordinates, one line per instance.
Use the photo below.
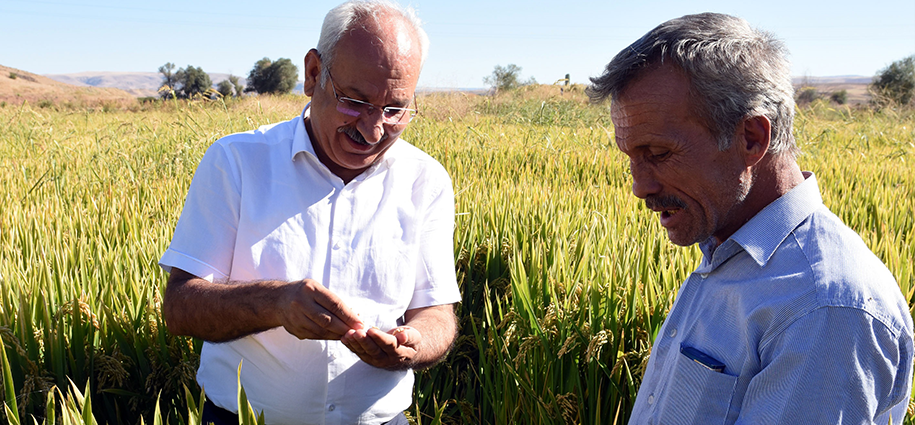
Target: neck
(772, 177)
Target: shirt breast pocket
(697, 394)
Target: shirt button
(651, 399)
(331, 408)
(672, 333)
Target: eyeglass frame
(371, 107)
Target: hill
(18, 86)
(137, 83)
(854, 85)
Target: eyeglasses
(354, 108)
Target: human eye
(357, 104)
(658, 154)
(391, 111)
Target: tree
(169, 80)
(236, 84)
(268, 77)
(193, 81)
(225, 88)
(895, 83)
(506, 78)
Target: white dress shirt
(262, 206)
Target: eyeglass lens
(352, 108)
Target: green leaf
(157, 416)
(12, 410)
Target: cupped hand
(393, 350)
(311, 311)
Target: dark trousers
(213, 414)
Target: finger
(333, 306)
(364, 344)
(352, 340)
(384, 340)
(305, 328)
(406, 335)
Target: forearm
(220, 312)
(438, 326)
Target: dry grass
(565, 276)
(18, 87)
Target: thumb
(334, 305)
(407, 335)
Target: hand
(394, 350)
(311, 311)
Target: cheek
(393, 133)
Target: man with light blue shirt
(316, 255)
(789, 318)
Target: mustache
(665, 202)
(357, 136)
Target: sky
(547, 39)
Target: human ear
(754, 135)
(312, 72)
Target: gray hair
(735, 72)
(341, 19)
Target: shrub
(840, 97)
(807, 95)
(895, 84)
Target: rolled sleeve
(834, 365)
(204, 239)
(436, 283)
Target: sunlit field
(566, 277)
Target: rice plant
(565, 277)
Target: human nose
(644, 183)
(371, 125)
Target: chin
(679, 242)
(684, 240)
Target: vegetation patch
(566, 277)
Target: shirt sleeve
(834, 365)
(436, 283)
(204, 239)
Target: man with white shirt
(317, 253)
(789, 318)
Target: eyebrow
(398, 103)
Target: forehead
(654, 108)
(379, 55)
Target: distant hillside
(137, 83)
(18, 86)
(854, 85)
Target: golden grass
(566, 278)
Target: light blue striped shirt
(809, 324)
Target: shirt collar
(763, 234)
(301, 142)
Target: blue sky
(547, 39)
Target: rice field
(566, 277)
